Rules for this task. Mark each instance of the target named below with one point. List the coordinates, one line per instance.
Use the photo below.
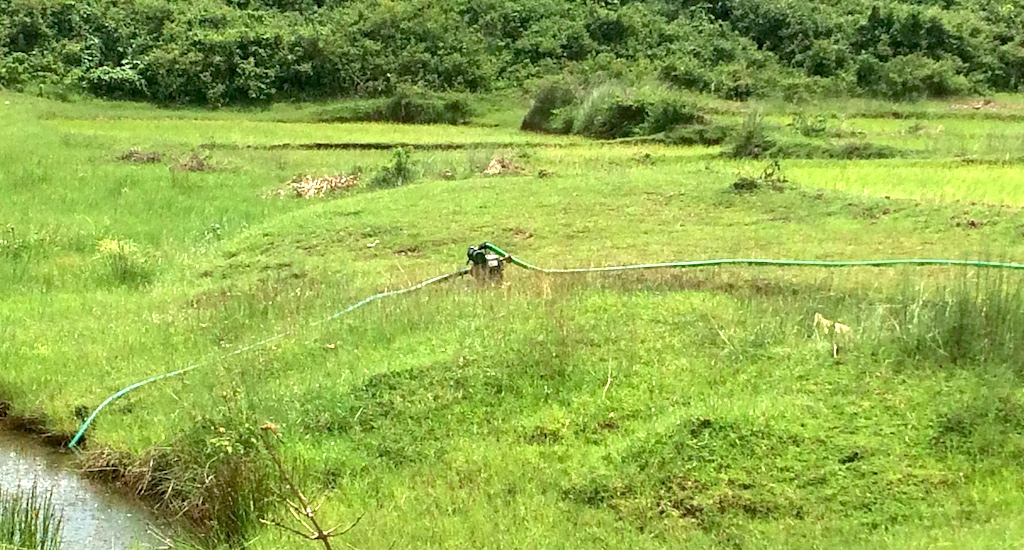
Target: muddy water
(94, 519)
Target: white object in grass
(838, 333)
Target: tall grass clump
(753, 139)
(29, 520)
(13, 245)
(552, 96)
(215, 476)
(123, 262)
(974, 321)
(610, 110)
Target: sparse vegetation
(757, 138)
(769, 178)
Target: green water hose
(73, 445)
(750, 261)
(520, 263)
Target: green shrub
(737, 81)
(811, 126)
(755, 138)
(612, 112)
(664, 110)
(712, 134)
(400, 171)
(865, 150)
(409, 109)
(823, 125)
(123, 82)
(221, 52)
(604, 112)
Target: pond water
(94, 518)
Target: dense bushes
(250, 51)
(407, 106)
(913, 76)
(655, 113)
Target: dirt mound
(501, 166)
(142, 157)
(195, 163)
(307, 187)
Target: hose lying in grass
(73, 445)
(520, 263)
(751, 261)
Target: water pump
(486, 266)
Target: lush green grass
(929, 181)
(653, 410)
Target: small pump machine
(485, 265)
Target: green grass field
(651, 410)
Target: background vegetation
(217, 52)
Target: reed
(29, 520)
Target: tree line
(218, 52)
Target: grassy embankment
(640, 411)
